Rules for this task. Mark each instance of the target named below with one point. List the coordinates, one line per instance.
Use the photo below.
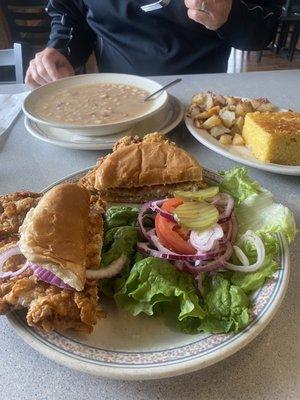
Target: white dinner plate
(163, 121)
(241, 154)
(127, 347)
(51, 89)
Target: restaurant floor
(242, 61)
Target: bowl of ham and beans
(94, 104)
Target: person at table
(185, 37)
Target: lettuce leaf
(238, 184)
(154, 285)
(251, 281)
(118, 241)
(121, 216)
(255, 208)
(226, 306)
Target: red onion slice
(169, 255)
(229, 205)
(241, 256)
(260, 249)
(155, 206)
(206, 240)
(143, 209)
(199, 256)
(110, 271)
(227, 227)
(224, 200)
(234, 228)
(6, 255)
(219, 262)
(48, 276)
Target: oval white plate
(126, 347)
(95, 130)
(163, 121)
(240, 154)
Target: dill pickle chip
(197, 216)
(198, 195)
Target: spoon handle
(163, 88)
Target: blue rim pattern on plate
(199, 348)
(163, 362)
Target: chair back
(292, 6)
(18, 57)
(28, 21)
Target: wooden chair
(18, 58)
(28, 21)
(290, 28)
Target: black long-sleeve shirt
(166, 41)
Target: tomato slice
(170, 233)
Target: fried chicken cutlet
(48, 307)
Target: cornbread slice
(274, 136)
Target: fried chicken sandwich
(144, 169)
(52, 269)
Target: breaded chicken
(48, 307)
(13, 209)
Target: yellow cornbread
(274, 136)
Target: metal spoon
(163, 88)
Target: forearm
(70, 33)
(250, 26)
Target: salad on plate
(197, 257)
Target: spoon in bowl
(163, 88)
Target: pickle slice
(199, 195)
(197, 216)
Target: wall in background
(4, 35)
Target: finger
(51, 67)
(202, 18)
(193, 4)
(41, 70)
(35, 75)
(30, 82)
(197, 5)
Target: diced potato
(243, 107)
(209, 102)
(219, 130)
(193, 110)
(197, 123)
(199, 98)
(214, 120)
(238, 140)
(206, 114)
(231, 101)
(227, 117)
(225, 139)
(239, 123)
(256, 103)
(232, 107)
(219, 100)
(264, 107)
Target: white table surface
(268, 368)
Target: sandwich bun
(54, 233)
(148, 162)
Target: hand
(214, 15)
(49, 65)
